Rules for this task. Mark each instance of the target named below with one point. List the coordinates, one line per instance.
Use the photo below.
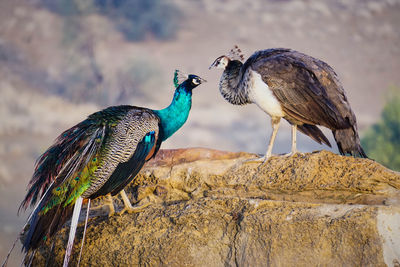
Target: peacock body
(98, 156)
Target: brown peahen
(288, 84)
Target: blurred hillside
(61, 60)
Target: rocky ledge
(205, 207)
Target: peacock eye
(195, 81)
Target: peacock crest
(179, 77)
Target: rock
(208, 208)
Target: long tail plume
(30, 259)
(69, 153)
(72, 230)
(84, 232)
(9, 253)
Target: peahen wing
(307, 88)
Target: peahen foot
(261, 160)
(289, 154)
(292, 153)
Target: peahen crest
(179, 77)
(236, 54)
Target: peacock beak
(196, 80)
(202, 80)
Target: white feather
(72, 230)
(262, 96)
(84, 231)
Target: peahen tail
(348, 142)
(314, 132)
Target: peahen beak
(213, 65)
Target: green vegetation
(136, 19)
(382, 141)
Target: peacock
(98, 156)
(288, 84)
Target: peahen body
(98, 156)
(299, 88)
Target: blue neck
(176, 114)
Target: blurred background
(61, 60)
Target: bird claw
(289, 154)
(256, 160)
(111, 213)
(140, 206)
(128, 210)
(261, 160)
(292, 153)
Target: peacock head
(190, 81)
(220, 63)
(195, 80)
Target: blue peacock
(96, 157)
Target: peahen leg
(294, 143)
(275, 126)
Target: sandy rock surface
(208, 208)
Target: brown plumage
(291, 85)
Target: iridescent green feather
(176, 79)
(73, 187)
(179, 78)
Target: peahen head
(220, 63)
(223, 61)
